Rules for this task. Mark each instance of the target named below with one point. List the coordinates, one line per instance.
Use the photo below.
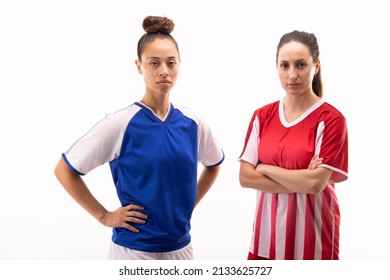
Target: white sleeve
(101, 144)
(250, 152)
(209, 151)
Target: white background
(65, 64)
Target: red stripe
(310, 231)
(291, 221)
(258, 225)
(274, 207)
(330, 225)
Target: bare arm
(205, 181)
(310, 180)
(79, 191)
(250, 178)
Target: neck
(160, 107)
(301, 102)
(295, 106)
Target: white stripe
(300, 226)
(252, 244)
(265, 231)
(319, 136)
(318, 226)
(281, 218)
(251, 154)
(332, 212)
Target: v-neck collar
(282, 116)
(156, 117)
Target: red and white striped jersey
(297, 225)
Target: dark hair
(310, 40)
(156, 28)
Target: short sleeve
(209, 151)
(334, 147)
(101, 144)
(252, 140)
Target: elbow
(243, 181)
(316, 187)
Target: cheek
(148, 75)
(281, 75)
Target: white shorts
(118, 252)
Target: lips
(164, 82)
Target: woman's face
(296, 68)
(159, 66)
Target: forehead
(161, 48)
(293, 51)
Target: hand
(123, 215)
(258, 167)
(315, 161)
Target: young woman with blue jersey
(153, 149)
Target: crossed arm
(274, 179)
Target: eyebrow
(158, 58)
(299, 60)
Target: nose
(292, 73)
(164, 71)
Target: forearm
(205, 181)
(299, 181)
(250, 178)
(79, 191)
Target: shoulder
(126, 112)
(268, 109)
(189, 113)
(330, 111)
(119, 119)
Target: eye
(301, 65)
(283, 65)
(172, 63)
(154, 63)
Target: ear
(138, 65)
(318, 65)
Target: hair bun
(153, 24)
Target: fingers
(129, 227)
(134, 219)
(126, 217)
(134, 207)
(131, 214)
(315, 161)
(139, 217)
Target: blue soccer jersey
(154, 164)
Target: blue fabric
(157, 168)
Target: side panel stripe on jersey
(310, 232)
(319, 135)
(331, 213)
(300, 226)
(282, 228)
(250, 153)
(318, 226)
(290, 232)
(257, 226)
(274, 205)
